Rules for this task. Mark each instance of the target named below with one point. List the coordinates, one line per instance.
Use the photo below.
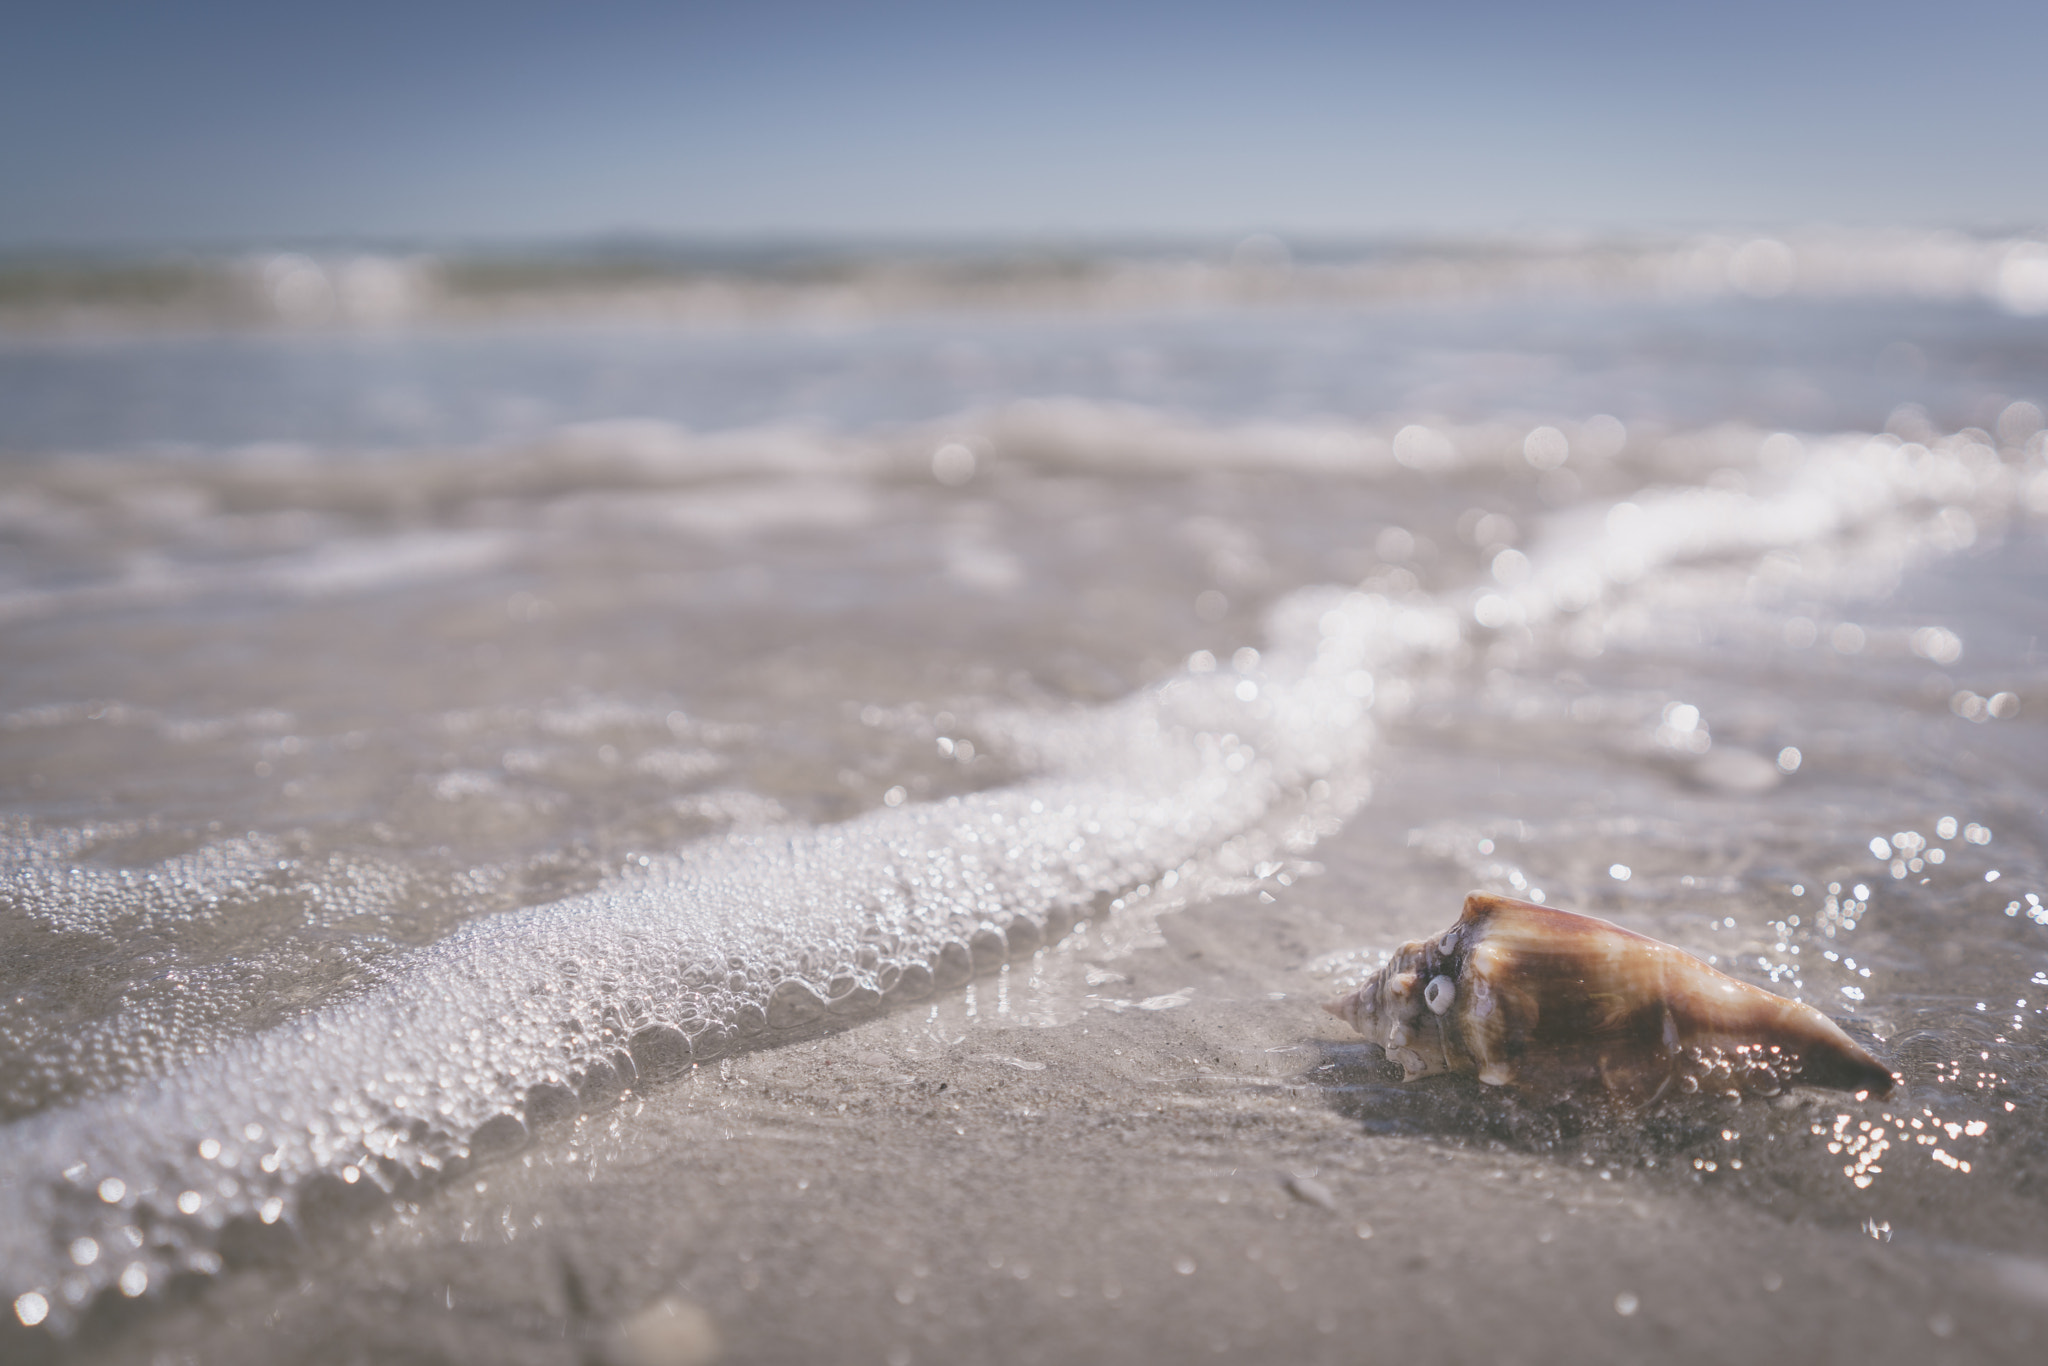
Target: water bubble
(1789, 759)
(31, 1308)
(1625, 1304)
(1184, 1265)
(1493, 529)
(1620, 872)
(1937, 643)
(1546, 448)
(1602, 436)
(1511, 567)
(2018, 422)
(1423, 448)
(953, 464)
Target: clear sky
(220, 120)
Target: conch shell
(1528, 996)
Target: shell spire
(1529, 996)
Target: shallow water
(504, 817)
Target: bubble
(1546, 448)
(1511, 568)
(1423, 448)
(2018, 422)
(1937, 643)
(953, 464)
(1602, 437)
(1492, 529)
(1626, 1304)
(1789, 759)
(1620, 872)
(31, 1308)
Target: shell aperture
(1545, 999)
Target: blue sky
(241, 121)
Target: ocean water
(456, 755)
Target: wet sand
(1221, 1176)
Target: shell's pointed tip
(1335, 1005)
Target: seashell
(1528, 996)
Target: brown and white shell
(1528, 996)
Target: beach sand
(1221, 1176)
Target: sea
(440, 731)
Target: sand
(1220, 1176)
